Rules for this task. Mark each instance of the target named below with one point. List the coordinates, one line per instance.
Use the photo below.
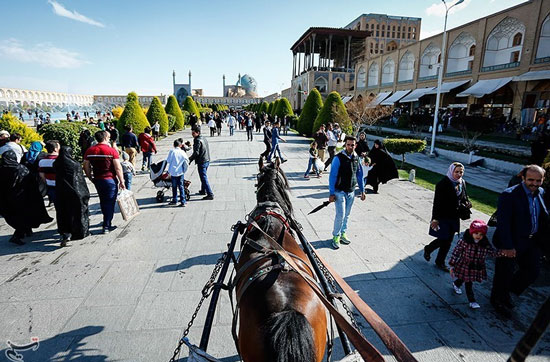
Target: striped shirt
(101, 158)
(45, 166)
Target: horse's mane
(273, 186)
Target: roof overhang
(335, 32)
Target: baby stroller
(161, 178)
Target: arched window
(429, 60)
(383, 27)
(461, 53)
(543, 50)
(406, 67)
(505, 42)
(388, 71)
(361, 77)
(373, 75)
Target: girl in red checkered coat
(468, 259)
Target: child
(366, 166)
(312, 160)
(128, 170)
(468, 259)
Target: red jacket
(146, 143)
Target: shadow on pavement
(43, 240)
(209, 259)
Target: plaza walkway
(128, 295)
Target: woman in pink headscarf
(445, 216)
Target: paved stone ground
(127, 296)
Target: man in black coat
(267, 139)
(201, 156)
(522, 229)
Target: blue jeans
(205, 186)
(310, 164)
(106, 190)
(177, 184)
(231, 130)
(341, 219)
(128, 176)
(274, 148)
(146, 159)
(51, 194)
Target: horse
(281, 318)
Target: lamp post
(440, 75)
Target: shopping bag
(127, 204)
(320, 165)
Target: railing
(405, 81)
(428, 77)
(457, 73)
(542, 60)
(500, 67)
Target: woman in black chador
(21, 203)
(383, 166)
(72, 197)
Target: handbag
(464, 206)
(493, 220)
(127, 204)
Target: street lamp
(440, 75)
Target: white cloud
(44, 54)
(428, 33)
(438, 9)
(62, 11)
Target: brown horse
(281, 318)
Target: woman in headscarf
(72, 196)
(21, 203)
(362, 147)
(383, 166)
(445, 217)
(30, 160)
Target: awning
(346, 99)
(416, 94)
(379, 98)
(395, 97)
(533, 75)
(483, 87)
(446, 87)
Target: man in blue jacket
(522, 229)
(346, 174)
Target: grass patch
(482, 199)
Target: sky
(119, 46)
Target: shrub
(292, 121)
(262, 107)
(157, 114)
(402, 146)
(284, 108)
(275, 106)
(471, 127)
(311, 109)
(270, 107)
(117, 112)
(10, 123)
(133, 115)
(334, 111)
(174, 109)
(190, 106)
(67, 133)
(171, 122)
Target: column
(329, 50)
(326, 53)
(349, 51)
(313, 51)
(293, 64)
(299, 61)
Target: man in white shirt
(332, 141)
(231, 122)
(177, 163)
(14, 145)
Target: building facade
(34, 98)
(229, 101)
(498, 65)
(111, 100)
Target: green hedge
(157, 114)
(402, 146)
(190, 106)
(67, 133)
(334, 111)
(283, 108)
(10, 123)
(174, 109)
(133, 115)
(312, 107)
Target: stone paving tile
(99, 316)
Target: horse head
(272, 185)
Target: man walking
(102, 166)
(147, 145)
(249, 127)
(130, 145)
(231, 122)
(201, 156)
(267, 139)
(522, 230)
(177, 163)
(275, 138)
(332, 141)
(345, 175)
(322, 139)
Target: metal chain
(206, 291)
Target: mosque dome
(248, 83)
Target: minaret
(223, 90)
(239, 80)
(174, 81)
(190, 89)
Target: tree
(132, 116)
(270, 107)
(117, 112)
(174, 109)
(10, 123)
(361, 111)
(156, 113)
(311, 109)
(402, 146)
(471, 127)
(190, 106)
(283, 108)
(263, 107)
(334, 111)
(274, 108)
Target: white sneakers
(457, 289)
(474, 305)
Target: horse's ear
(277, 162)
(261, 163)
